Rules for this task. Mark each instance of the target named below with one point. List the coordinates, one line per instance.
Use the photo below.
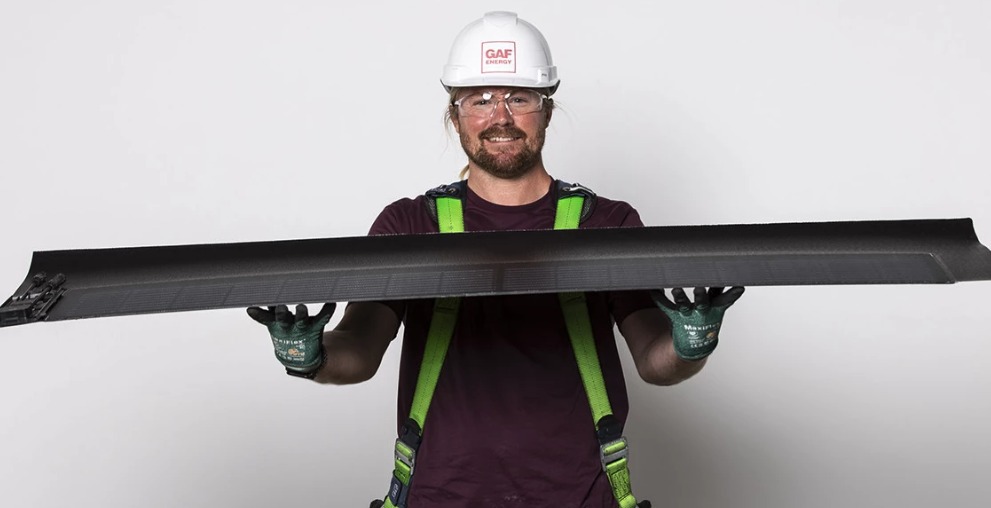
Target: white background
(176, 122)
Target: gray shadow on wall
(681, 456)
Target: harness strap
(574, 204)
(613, 448)
(450, 219)
(445, 205)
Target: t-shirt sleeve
(613, 214)
(395, 219)
(624, 303)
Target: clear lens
(483, 104)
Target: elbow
(346, 363)
(336, 374)
(326, 377)
(661, 379)
(671, 373)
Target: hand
(695, 326)
(297, 339)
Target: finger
(726, 299)
(701, 299)
(681, 300)
(302, 313)
(261, 315)
(714, 293)
(282, 316)
(325, 313)
(662, 300)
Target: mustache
(502, 132)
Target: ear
(547, 118)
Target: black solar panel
(110, 282)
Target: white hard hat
(500, 50)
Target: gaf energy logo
(499, 56)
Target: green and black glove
(297, 339)
(695, 326)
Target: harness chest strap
(445, 203)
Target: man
(511, 423)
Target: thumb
(728, 298)
(323, 317)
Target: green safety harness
(574, 204)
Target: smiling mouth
(498, 135)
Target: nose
(501, 115)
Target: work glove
(297, 339)
(695, 326)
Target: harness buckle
(406, 455)
(399, 485)
(402, 476)
(579, 188)
(612, 452)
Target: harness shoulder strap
(573, 199)
(613, 448)
(575, 203)
(445, 205)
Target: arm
(353, 350)
(355, 347)
(670, 343)
(648, 335)
(350, 353)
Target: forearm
(354, 349)
(349, 360)
(648, 334)
(662, 366)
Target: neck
(510, 192)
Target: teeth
(498, 140)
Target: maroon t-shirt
(510, 424)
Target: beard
(504, 164)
